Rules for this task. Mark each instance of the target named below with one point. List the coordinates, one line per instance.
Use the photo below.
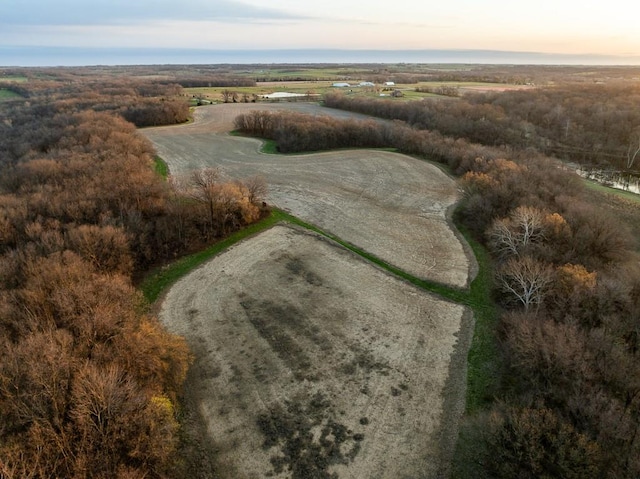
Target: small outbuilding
(389, 83)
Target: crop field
(263, 88)
(320, 87)
(391, 205)
(309, 359)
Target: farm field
(319, 87)
(303, 346)
(296, 337)
(391, 205)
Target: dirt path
(388, 204)
(311, 361)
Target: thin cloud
(109, 12)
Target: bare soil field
(391, 205)
(312, 362)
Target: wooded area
(591, 124)
(89, 380)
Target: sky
(558, 26)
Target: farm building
(366, 83)
(341, 85)
(389, 83)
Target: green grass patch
(269, 147)
(483, 366)
(7, 95)
(627, 195)
(160, 167)
(14, 78)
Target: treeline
(567, 403)
(216, 81)
(589, 124)
(297, 132)
(294, 132)
(89, 381)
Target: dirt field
(310, 361)
(390, 205)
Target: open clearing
(310, 361)
(391, 205)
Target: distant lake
(71, 56)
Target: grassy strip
(160, 167)
(483, 367)
(157, 281)
(482, 362)
(453, 294)
(627, 195)
(154, 284)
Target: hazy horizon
(544, 32)
(76, 56)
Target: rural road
(309, 360)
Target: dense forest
(566, 402)
(89, 380)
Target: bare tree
(227, 95)
(204, 189)
(513, 235)
(526, 280)
(256, 188)
(634, 149)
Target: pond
(613, 179)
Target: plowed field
(311, 361)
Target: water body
(72, 56)
(617, 180)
